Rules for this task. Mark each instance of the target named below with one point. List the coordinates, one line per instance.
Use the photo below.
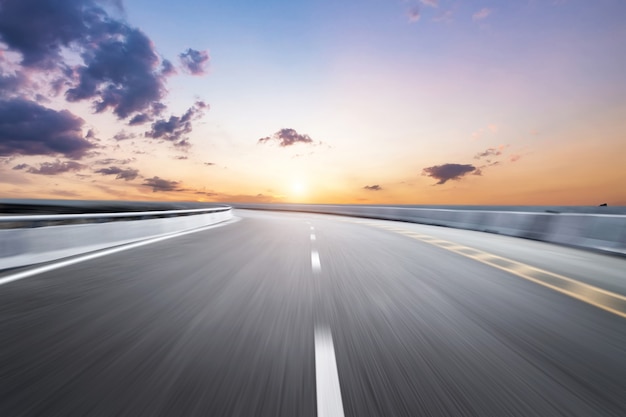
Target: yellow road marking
(606, 300)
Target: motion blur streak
(222, 322)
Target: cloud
(373, 187)
(414, 14)
(12, 83)
(52, 168)
(124, 136)
(167, 68)
(447, 172)
(482, 14)
(176, 128)
(109, 161)
(28, 128)
(515, 157)
(117, 67)
(287, 137)
(209, 163)
(488, 152)
(194, 62)
(431, 3)
(126, 174)
(139, 119)
(181, 157)
(120, 73)
(160, 184)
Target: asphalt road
(290, 314)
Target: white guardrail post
(31, 239)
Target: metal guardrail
(40, 220)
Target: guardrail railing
(42, 220)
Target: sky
(327, 101)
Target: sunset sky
(325, 101)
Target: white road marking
(329, 402)
(82, 258)
(312, 236)
(312, 228)
(315, 261)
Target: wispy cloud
(287, 137)
(431, 3)
(124, 136)
(489, 152)
(126, 174)
(482, 14)
(52, 168)
(373, 187)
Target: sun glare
(298, 188)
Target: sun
(298, 188)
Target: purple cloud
(27, 128)
(52, 168)
(124, 136)
(176, 128)
(488, 152)
(194, 62)
(287, 137)
(109, 161)
(447, 172)
(126, 174)
(118, 68)
(160, 184)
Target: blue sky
(406, 95)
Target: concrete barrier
(29, 245)
(573, 226)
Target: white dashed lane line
(329, 403)
(315, 261)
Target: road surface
(292, 314)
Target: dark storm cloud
(55, 168)
(126, 174)
(194, 62)
(28, 128)
(176, 128)
(373, 187)
(447, 172)
(160, 184)
(120, 69)
(287, 137)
